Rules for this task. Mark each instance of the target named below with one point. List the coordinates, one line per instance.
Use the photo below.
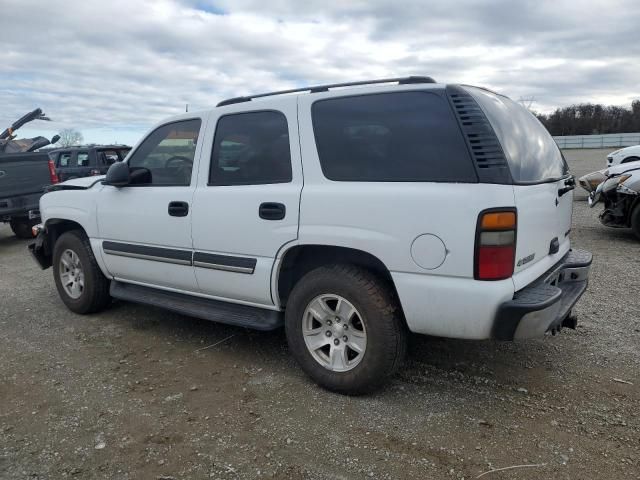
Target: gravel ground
(136, 392)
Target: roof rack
(325, 88)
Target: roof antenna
(186, 108)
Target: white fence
(598, 141)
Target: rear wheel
(635, 221)
(80, 282)
(345, 329)
(21, 227)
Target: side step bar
(214, 310)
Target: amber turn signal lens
(499, 221)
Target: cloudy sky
(113, 68)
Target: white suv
(349, 215)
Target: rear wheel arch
(301, 259)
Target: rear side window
(391, 137)
(251, 149)
(108, 157)
(83, 159)
(531, 152)
(64, 159)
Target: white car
(624, 155)
(350, 214)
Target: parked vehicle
(86, 161)
(24, 174)
(590, 181)
(349, 215)
(624, 155)
(621, 195)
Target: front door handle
(178, 209)
(272, 211)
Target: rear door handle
(272, 211)
(178, 209)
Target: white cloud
(112, 69)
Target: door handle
(178, 209)
(272, 211)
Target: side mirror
(118, 175)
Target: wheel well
(630, 159)
(301, 259)
(55, 228)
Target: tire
(21, 227)
(93, 294)
(635, 221)
(377, 319)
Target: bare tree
(70, 137)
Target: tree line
(592, 119)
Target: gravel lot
(134, 392)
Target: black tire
(386, 334)
(95, 294)
(630, 159)
(635, 220)
(21, 227)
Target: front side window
(83, 159)
(251, 149)
(166, 155)
(391, 137)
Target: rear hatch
(540, 177)
(23, 174)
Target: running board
(214, 310)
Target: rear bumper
(545, 305)
(20, 205)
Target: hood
(623, 167)
(82, 183)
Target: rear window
(531, 152)
(391, 137)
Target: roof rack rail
(325, 88)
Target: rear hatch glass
(539, 172)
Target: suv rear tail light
(495, 244)
(52, 173)
(95, 172)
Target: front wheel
(345, 329)
(81, 284)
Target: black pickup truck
(24, 174)
(23, 178)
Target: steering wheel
(178, 158)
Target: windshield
(531, 152)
